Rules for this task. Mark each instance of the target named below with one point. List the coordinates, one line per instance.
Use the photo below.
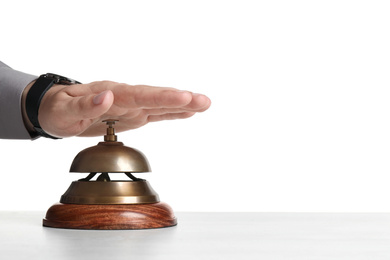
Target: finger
(162, 111)
(150, 97)
(199, 103)
(171, 116)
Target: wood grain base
(131, 216)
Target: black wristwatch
(35, 95)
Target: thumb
(74, 116)
(93, 106)
(103, 97)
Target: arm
(77, 110)
(12, 84)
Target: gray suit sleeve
(12, 84)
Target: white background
(300, 92)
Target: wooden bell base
(131, 216)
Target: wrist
(34, 94)
(27, 123)
(46, 110)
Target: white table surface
(206, 236)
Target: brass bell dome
(110, 156)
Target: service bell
(107, 204)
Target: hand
(77, 110)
